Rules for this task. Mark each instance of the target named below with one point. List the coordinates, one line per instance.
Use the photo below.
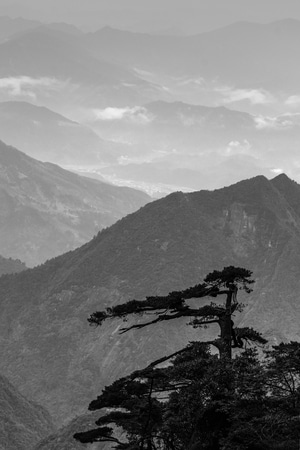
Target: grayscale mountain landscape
(143, 145)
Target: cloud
(293, 100)
(111, 113)
(137, 114)
(277, 171)
(274, 123)
(25, 86)
(254, 96)
(237, 147)
(200, 81)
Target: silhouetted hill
(46, 210)
(22, 423)
(9, 265)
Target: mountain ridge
(252, 46)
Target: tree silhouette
(174, 306)
(144, 402)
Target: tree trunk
(225, 323)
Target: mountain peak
(289, 189)
(282, 181)
(282, 176)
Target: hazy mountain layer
(56, 358)
(22, 423)
(46, 211)
(47, 52)
(197, 147)
(10, 27)
(57, 68)
(247, 65)
(48, 136)
(110, 78)
(244, 54)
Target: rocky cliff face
(46, 211)
(22, 423)
(49, 350)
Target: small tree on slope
(144, 403)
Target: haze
(187, 16)
(159, 96)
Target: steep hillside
(22, 423)
(56, 358)
(46, 211)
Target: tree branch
(142, 372)
(209, 311)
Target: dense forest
(233, 392)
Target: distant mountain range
(44, 52)
(242, 54)
(46, 211)
(241, 64)
(171, 112)
(160, 145)
(22, 423)
(55, 358)
(198, 147)
(10, 27)
(57, 69)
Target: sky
(189, 16)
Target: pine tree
(148, 403)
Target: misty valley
(149, 235)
